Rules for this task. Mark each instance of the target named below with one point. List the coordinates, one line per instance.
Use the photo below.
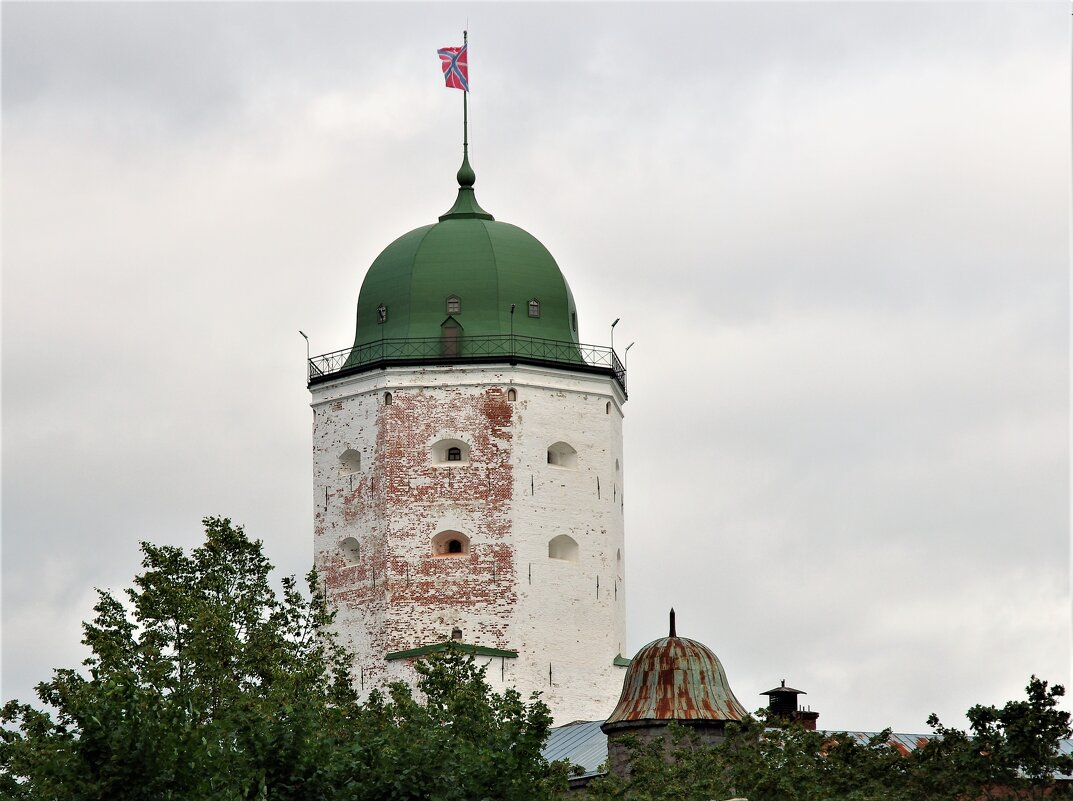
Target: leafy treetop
(203, 683)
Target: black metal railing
(467, 350)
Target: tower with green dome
(467, 467)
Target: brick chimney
(782, 702)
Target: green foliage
(1009, 752)
(768, 759)
(1012, 748)
(457, 741)
(204, 684)
(678, 768)
(761, 759)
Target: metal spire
(466, 176)
(466, 206)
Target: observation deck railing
(512, 349)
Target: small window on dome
(381, 314)
(573, 321)
(387, 398)
(534, 308)
(454, 305)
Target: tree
(762, 758)
(202, 684)
(1010, 752)
(676, 767)
(1015, 748)
(457, 740)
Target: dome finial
(673, 632)
(466, 206)
(466, 176)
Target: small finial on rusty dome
(673, 633)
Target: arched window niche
(562, 454)
(351, 550)
(564, 548)
(512, 395)
(450, 543)
(451, 452)
(349, 462)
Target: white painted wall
(506, 593)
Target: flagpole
(465, 104)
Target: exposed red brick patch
(400, 592)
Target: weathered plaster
(561, 617)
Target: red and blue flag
(455, 68)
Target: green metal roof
(487, 265)
(425, 650)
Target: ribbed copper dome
(675, 678)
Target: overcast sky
(838, 234)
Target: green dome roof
(470, 262)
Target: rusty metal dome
(675, 678)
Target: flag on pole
(455, 68)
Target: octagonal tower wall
(532, 497)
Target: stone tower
(467, 468)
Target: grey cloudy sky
(839, 235)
